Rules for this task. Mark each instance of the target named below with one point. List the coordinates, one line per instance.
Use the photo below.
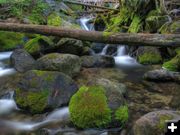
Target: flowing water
(4, 67)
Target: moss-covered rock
(38, 45)
(65, 63)
(39, 91)
(89, 108)
(149, 55)
(154, 122)
(92, 106)
(10, 40)
(173, 64)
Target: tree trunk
(141, 39)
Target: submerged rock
(162, 75)
(22, 61)
(65, 63)
(42, 90)
(154, 122)
(97, 61)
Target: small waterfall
(4, 69)
(83, 23)
(104, 51)
(121, 50)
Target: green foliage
(54, 19)
(33, 10)
(173, 64)
(122, 114)
(35, 102)
(136, 25)
(9, 40)
(89, 108)
(150, 58)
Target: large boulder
(39, 91)
(65, 63)
(154, 122)
(97, 61)
(148, 55)
(22, 61)
(162, 75)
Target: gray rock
(41, 90)
(22, 61)
(162, 75)
(97, 61)
(65, 63)
(154, 122)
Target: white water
(3, 70)
(59, 116)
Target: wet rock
(22, 61)
(154, 122)
(42, 90)
(111, 50)
(97, 47)
(162, 75)
(65, 63)
(148, 55)
(97, 61)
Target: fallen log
(88, 5)
(141, 39)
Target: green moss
(9, 40)
(150, 58)
(54, 19)
(107, 34)
(35, 102)
(122, 114)
(162, 122)
(173, 64)
(88, 107)
(48, 77)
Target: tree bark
(141, 39)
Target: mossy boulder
(149, 55)
(72, 46)
(89, 108)
(65, 63)
(10, 40)
(154, 122)
(38, 45)
(173, 64)
(39, 91)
